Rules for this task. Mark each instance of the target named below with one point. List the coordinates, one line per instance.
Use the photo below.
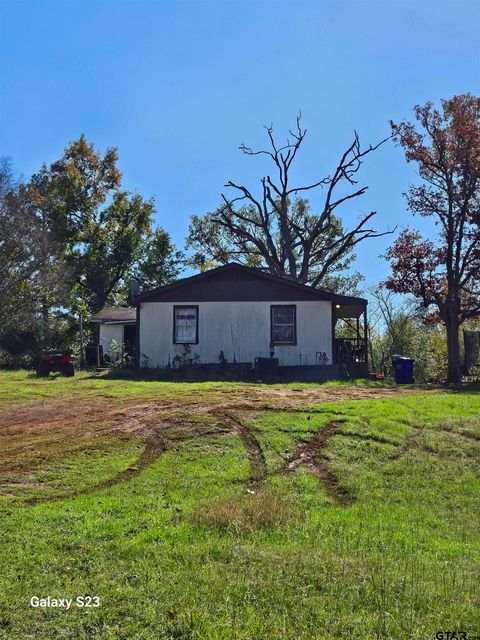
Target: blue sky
(177, 86)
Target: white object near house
(116, 324)
(245, 313)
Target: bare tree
(276, 230)
(390, 322)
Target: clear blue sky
(177, 86)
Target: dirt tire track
(151, 418)
(156, 443)
(258, 465)
(309, 454)
(464, 434)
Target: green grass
(23, 386)
(181, 549)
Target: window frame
(284, 344)
(185, 306)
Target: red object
(57, 356)
(60, 360)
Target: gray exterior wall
(248, 321)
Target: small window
(185, 325)
(283, 324)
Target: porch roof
(343, 310)
(115, 315)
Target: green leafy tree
(70, 238)
(160, 262)
(443, 275)
(102, 229)
(112, 243)
(66, 198)
(71, 190)
(16, 248)
(31, 277)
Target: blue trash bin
(403, 369)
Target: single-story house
(117, 324)
(236, 314)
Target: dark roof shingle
(115, 314)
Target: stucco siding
(240, 328)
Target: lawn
(220, 511)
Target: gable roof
(115, 314)
(236, 282)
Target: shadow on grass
(162, 375)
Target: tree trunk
(452, 325)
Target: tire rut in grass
(411, 441)
(310, 455)
(154, 446)
(156, 443)
(153, 422)
(464, 434)
(258, 466)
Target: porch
(350, 337)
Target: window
(283, 324)
(185, 325)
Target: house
(236, 314)
(117, 324)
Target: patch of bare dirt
(291, 397)
(164, 423)
(40, 416)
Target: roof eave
(328, 295)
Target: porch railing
(350, 350)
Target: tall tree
(443, 276)
(31, 278)
(160, 262)
(102, 229)
(16, 248)
(29, 269)
(110, 247)
(276, 230)
(66, 199)
(70, 238)
(72, 189)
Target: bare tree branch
(290, 240)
